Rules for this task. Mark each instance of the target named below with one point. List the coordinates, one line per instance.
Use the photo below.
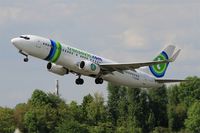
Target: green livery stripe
(160, 68)
(57, 53)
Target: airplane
(64, 59)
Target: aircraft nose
(15, 41)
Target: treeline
(128, 110)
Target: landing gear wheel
(98, 80)
(82, 81)
(26, 59)
(79, 81)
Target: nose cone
(15, 42)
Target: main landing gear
(98, 80)
(79, 80)
(26, 56)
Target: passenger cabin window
(25, 37)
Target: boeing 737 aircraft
(63, 59)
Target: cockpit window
(25, 37)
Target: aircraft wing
(110, 67)
(170, 80)
(129, 66)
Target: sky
(121, 30)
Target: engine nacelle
(57, 69)
(90, 67)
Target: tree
(176, 116)
(6, 120)
(98, 116)
(39, 98)
(176, 109)
(180, 98)
(75, 111)
(128, 110)
(41, 119)
(192, 123)
(96, 111)
(160, 130)
(105, 127)
(19, 112)
(158, 104)
(189, 91)
(85, 104)
(45, 112)
(71, 126)
(113, 99)
(138, 110)
(122, 107)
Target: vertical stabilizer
(159, 70)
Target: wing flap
(170, 80)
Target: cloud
(9, 14)
(28, 13)
(131, 39)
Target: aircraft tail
(159, 70)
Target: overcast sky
(122, 30)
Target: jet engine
(90, 67)
(57, 69)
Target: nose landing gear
(26, 59)
(26, 55)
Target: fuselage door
(38, 44)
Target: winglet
(173, 58)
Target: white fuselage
(70, 58)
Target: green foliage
(176, 116)
(75, 111)
(44, 113)
(39, 98)
(101, 128)
(161, 130)
(96, 111)
(118, 106)
(113, 98)
(192, 123)
(6, 120)
(86, 102)
(128, 110)
(181, 97)
(71, 126)
(138, 109)
(41, 119)
(92, 112)
(122, 105)
(158, 104)
(19, 112)
(189, 91)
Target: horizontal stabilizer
(170, 80)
